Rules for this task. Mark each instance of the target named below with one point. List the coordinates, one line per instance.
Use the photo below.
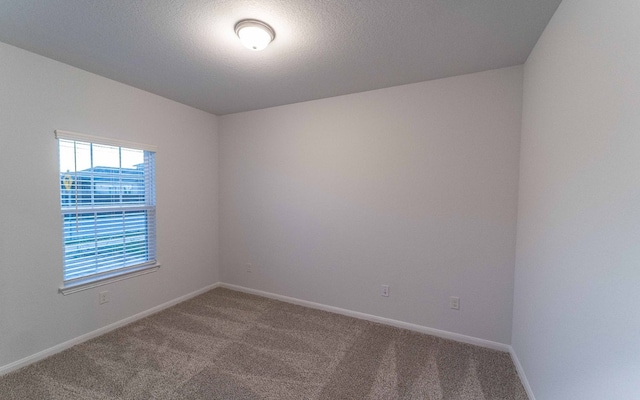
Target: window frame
(116, 274)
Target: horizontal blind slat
(108, 212)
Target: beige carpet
(230, 345)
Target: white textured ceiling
(186, 50)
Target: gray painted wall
(576, 324)
(413, 186)
(38, 95)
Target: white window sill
(92, 282)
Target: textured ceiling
(186, 50)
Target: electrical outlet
(384, 290)
(103, 297)
(454, 303)
(249, 268)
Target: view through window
(107, 197)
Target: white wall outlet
(384, 290)
(103, 297)
(249, 268)
(454, 303)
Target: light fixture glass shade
(254, 35)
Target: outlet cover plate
(103, 297)
(454, 303)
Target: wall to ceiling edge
(39, 95)
(576, 314)
(376, 197)
(413, 186)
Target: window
(107, 200)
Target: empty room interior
(408, 188)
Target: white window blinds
(107, 198)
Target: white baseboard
(521, 374)
(101, 331)
(398, 324)
(386, 321)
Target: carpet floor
(230, 345)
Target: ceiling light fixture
(254, 35)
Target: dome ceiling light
(254, 35)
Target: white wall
(413, 186)
(38, 95)
(576, 327)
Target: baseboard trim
(521, 374)
(355, 314)
(373, 318)
(100, 331)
